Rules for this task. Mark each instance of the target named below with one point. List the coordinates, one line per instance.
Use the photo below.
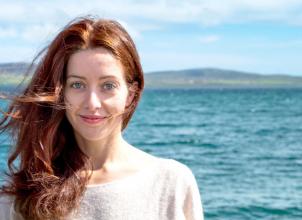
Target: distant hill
(15, 68)
(220, 78)
(12, 73)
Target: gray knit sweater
(167, 191)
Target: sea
(244, 146)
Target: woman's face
(96, 94)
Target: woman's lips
(92, 119)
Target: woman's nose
(93, 101)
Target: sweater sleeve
(192, 206)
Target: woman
(68, 123)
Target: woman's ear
(132, 90)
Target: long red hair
(48, 180)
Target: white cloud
(132, 31)
(41, 32)
(206, 12)
(36, 20)
(278, 45)
(7, 32)
(11, 11)
(209, 39)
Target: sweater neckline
(137, 174)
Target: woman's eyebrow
(83, 77)
(75, 76)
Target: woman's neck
(105, 154)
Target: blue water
(244, 147)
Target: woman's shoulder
(166, 171)
(167, 166)
(175, 171)
(6, 200)
(6, 203)
(7, 210)
(172, 164)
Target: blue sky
(262, 36)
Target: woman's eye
(77, 85)
(109, 86)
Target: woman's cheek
(73, 100)
(116, 104)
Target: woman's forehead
(97, 62)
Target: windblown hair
(48, 172)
